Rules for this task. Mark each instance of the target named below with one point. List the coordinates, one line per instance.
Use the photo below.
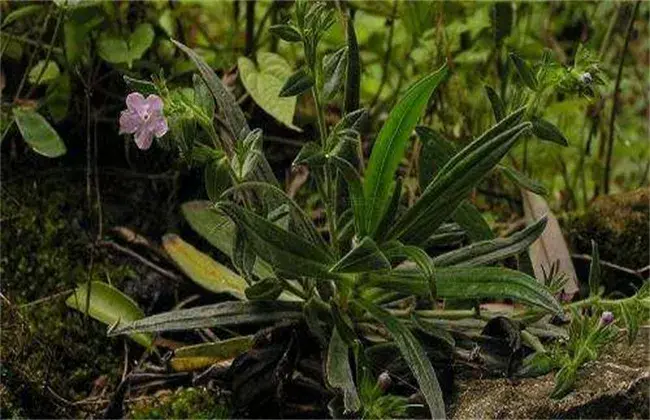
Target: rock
(615, 386)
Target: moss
(620, 224)
(195, 403)
(44, 251)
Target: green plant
(375, 251)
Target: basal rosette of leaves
(370, 278)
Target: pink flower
(144, 118)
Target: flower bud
(586, 78)
(606, 318)
(384, 381)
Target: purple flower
(606, 318)
(144, 118)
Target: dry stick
(140, 258)
(610, 142)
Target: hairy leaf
(414, 355)
(353, 70)
(390, 146)
(490, 251)
(469, 283)
(365, 257)
(339, 373)
(523, 181)
(452, 184)
(220, 314)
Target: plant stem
(612, 118)
(48, 54)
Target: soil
(615, 386)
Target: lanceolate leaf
(339, 373)
(38, 133)
(438, 150)
(355, 189)
(487, 252)
(525, 72)
(298, 83)
(414, 355)
(218, 229)
(390, 146)
(523, 181)
(469, 283)
(545, 130)
(283, 250)
(334, 66)
(220, 314)
(363, 258)
(353, 70)
(202, 269)
(303, 223)
(108, 305)
(497, 104)
(201, 356)
(452, 184)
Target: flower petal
(136, 102)
(159, 126)
(143, 139)
(130, 121)
(154, 103)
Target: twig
(140, 258)
(610, 265)
(612, 118)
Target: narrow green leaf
(202, 269)
(498, 108)
(490, 251)
(525, 72)
(390, 146)
(355, 190)
(365, 257)
(300, 220)
(109, 306)
(414, 355)
(438, 150)
(471, 220)
(286, 33)
(38, 133)
(297, 84)
(594, 270)
(311, 154)
(334, 66)
(339, 372)
(202, 96)
(218, 230)
(523, 181)
(545, 130)
(391, 211)
(353, 70)
(452, 184)
(501, 16)
(220, 314)
(281, 249)
(394, 249)
(204, 355)
(216, 175)
(468, 283)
